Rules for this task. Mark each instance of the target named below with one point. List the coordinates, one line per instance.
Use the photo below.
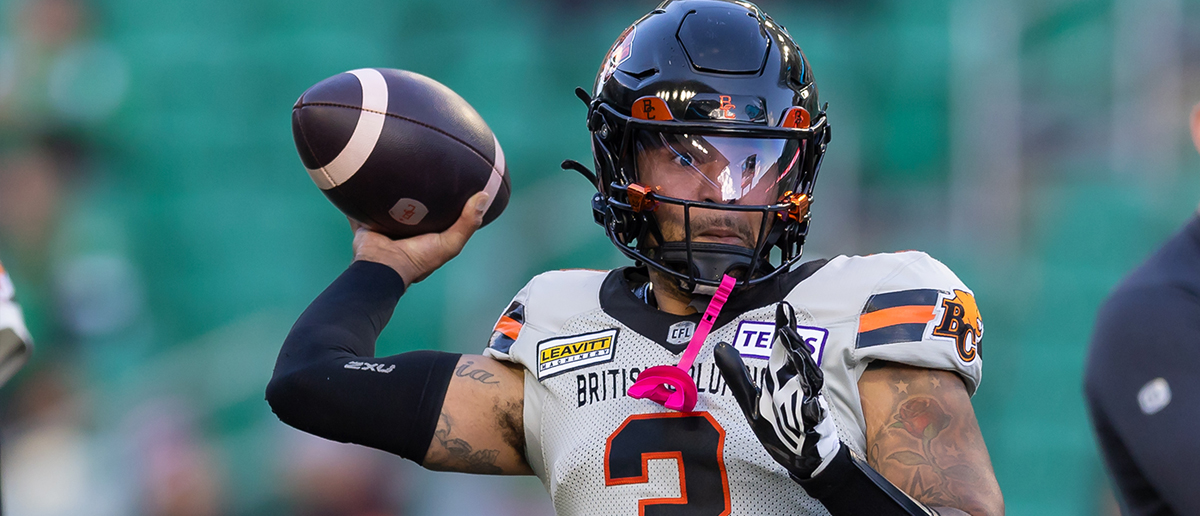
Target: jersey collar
(618, 300)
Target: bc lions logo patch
(959, 319)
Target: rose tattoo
(922, 417)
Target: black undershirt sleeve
(849, 486)
(327, 381)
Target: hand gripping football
(398, 151)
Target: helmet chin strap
(710, 261)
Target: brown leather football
(398, 151)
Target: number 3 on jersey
(693, 439)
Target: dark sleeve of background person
(1149, 328)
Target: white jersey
(583, 337)
(15, 343)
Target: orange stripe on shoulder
(509, 327)
(895, 315)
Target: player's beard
(738, 224)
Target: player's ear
(1195, 125)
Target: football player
(15, 342)
(836, 386)
(1140, 403)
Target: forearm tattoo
(927, 447)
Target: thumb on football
(468, 221)
(737, 376)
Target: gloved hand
(788, 413)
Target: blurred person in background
(322, 478)
(39, 174)
(15, 342)
(178, 471)
(53, 73)
(1142, 379)
(50, 460)
(58, 461)
(886, 425)
(58, 458)
(50, 466)
(58, 83)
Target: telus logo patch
(755, 338)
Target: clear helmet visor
(723, 169)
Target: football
(398, 151)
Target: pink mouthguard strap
(671, 386)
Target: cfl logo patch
(681, 332)
(755, 338)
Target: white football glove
(788, 413)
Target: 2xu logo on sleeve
(754, 339)
(368, 366)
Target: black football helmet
(722, 92)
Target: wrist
(402, 268)
(836, 472)
(380, 279)
(828, 458)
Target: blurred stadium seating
(163, 236)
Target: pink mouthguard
(671, 386)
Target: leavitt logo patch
(562, 354)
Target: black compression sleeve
(328, 383)
(847, 486)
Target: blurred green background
(163, 235)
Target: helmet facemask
(708, 203)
